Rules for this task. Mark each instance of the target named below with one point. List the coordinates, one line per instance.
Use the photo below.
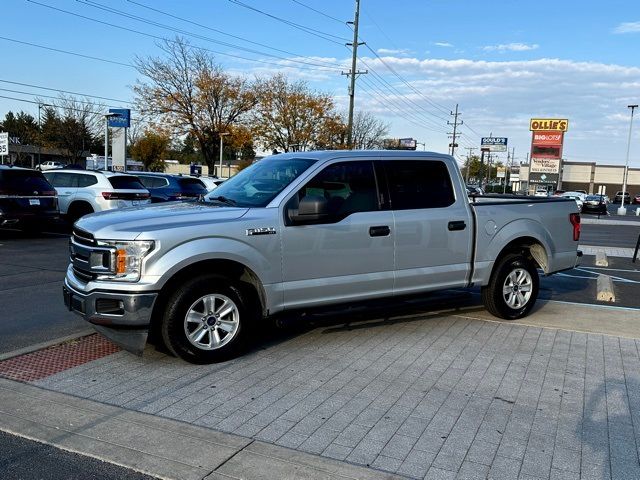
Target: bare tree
(190, 93)
(368, 131)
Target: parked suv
(81, 192)
(165, 187)
(618, 197)
(27, 200)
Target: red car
(636, 199)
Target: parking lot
(429, 387)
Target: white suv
(81, 192)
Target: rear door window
(24, 182)
(419, 184)
(192, 185)
(86, 180)
(126, 182)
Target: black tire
(493, 296)
(78, 210)
(174, 326)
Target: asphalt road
(610, 235)
(22, 459)
(32, 269)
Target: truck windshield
(260, 183)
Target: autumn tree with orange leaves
(189, 93)
(290, 117)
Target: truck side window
(419, 184)
(349, 187)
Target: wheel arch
(224, 267)
(530, 247)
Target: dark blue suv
(165, 187)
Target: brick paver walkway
(432, 397)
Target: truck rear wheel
(207, 320)
(512, 289)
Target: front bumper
(123, 318)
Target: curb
(161, 447)
(601, 259)
(605, 292)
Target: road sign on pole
(4, 145)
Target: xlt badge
(261, 231)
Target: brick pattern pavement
(436, 397)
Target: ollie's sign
(555, 124)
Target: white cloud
(443, 44)
(511, 47)
(627, 27)
(394, 51)
(501, 97)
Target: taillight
(143, 195)
(574, 218)
(109, 195)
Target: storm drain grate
(49, 361)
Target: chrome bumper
(122, 318)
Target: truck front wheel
(512, 289)
(206, 320)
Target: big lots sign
(546, 137)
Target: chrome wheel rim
(211, 322)
(517, 288)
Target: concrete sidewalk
(157, 446)
(435, 395)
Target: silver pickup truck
(302, 230)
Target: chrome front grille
(87, 259)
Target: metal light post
(221, 146)
(39, 135)
(424, 145)
(106, 137)
(622, 210)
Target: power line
(67, 52)
(65, 91)
(156, 37)
(192, 22)
(309, 30)
(147, 21)
(318, 11)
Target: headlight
(126, 259)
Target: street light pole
(221, 146)
(622, 210)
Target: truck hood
(129, 223)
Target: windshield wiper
(225, 201)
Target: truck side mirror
(311, 208)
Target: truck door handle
(457, 225)
(380, 231)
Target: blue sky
(503, 62)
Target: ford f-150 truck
(309, 229)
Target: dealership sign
(545, 165)
(494, 144)
(555, 124)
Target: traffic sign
(4, 143)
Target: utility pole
(353, 73)
(455, 124)
(469, 155)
